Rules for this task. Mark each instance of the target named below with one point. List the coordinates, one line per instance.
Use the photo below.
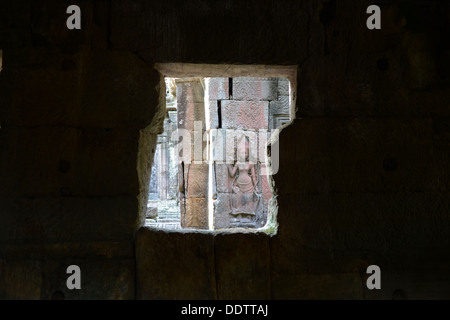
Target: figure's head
(243, 150)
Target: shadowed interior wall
(364, 173)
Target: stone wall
(243, 108)
(364, 173)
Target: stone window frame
(190, 70)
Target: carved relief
(246, 199)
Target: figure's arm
(232, 169)
(253, 175)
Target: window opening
(210, 169)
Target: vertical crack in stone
(183, 187)
(230, 88)
(219, 113)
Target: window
(211, 170)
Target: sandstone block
(189, 113)
(20, 280)
(255, 89)
(213, 115)
(265, 186)
(243, 266)
(190, 91)
(196, 215)
(222, 178)
(70, 161)
(222, 209)
(196, 180)
(172, 271)
(245, 115)
(66, 219)
(101, 279)
(88, 94)
(218, 88)
(283, 87)
(280, 106)
(318, 286)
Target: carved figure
(245, 198)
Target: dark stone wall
(364, 174)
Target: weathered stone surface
(337, 156)
(333, 227)
(225, 142)
(218, 88)
(255, 89)
(243, 266)
(245, 115)
(265, 185)
(283, 87)
(188, 113)
(280, 106)
(423, 281)
(182, 259)
(101, 279)
(190, 90)
(20, 280)
(59, 161)
(196, 214)
(342, 286)
(222, 209)
(92, 93)
(196, 180)
(188, 32)
(364, 175)
(146, 155)
(98, 250)
(222, 178)
(68, 219)
(152, 212)
(218, 141)
(213, 115)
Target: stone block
(196, 180)
(222, 209)
(170, 264)
(356, 155)
(92, 92)
(423, 279)
(190, 91)
(265, 186)
(226, 141)
(68, 219)
(213, 115)
(218, 88)
(101, 279)
(341, 286)
(255, 89)
(218, 141)
(281, 106)
(152, 212)
(222, 178)
(64, 250)
(383, 223)
(246, 115)
(243, 266)
(189, 113)
(196, 214)
(283, 87)
(69, 161)
(20, 280)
